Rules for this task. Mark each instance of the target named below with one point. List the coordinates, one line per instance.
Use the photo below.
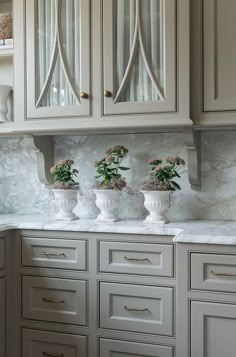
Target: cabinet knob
(84, 95)
(107, 94)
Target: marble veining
(22, 193)
(206, 232)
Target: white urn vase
(108, 202)
(65, 201)
(4, 94)
(157, 203)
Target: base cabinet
(213, 329)
(111, 348)
(50, 344)
(2, 318)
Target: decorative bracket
(192, 141)
(43, 147)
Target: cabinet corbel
(43, 147)
(192, 141)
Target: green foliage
(64, 174)
(108, 169)
(162, 177)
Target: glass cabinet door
(139, 56)
(58, 58)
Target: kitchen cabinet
(213, 63)
(68, 311)
(206, 314)
(102, 65)
(139, 56)
(57, 58)
(213, 328)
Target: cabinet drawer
(50, 344)
(137, 258)
(56, 300)
(146, 309)
(214, 272)
(114, 348)
(54, 253)
(2, 253)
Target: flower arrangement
(64, 175)
(107, 169)
(161, 178)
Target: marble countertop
(208, 232)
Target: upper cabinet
(57, 58)
(214, 62)
(101, 65)
(139, 56)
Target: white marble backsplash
(21, 192)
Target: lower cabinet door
(2, 317)
(213, 330)
(50, 344)
(115, 348)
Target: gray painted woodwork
(41, 343)
(56, 300)
(213, 272)
(54, 253)
(2, 317)
(219, 55)
(168, 35)
(36, 109)
(172, 113)
(213, 94)
(213, 329)
(146, 309)
(137, 258)
(205, 297)
(115, 348)
(2, 253)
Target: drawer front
(213, 272)
(50, 344)
(55, 300)
(137, 258)
(146, 309)
(2, 253)
(54, 253)
(115, 348)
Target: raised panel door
(213, 327)
(219, 55)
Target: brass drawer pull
(135, 309)
(53, 301)
(137, 259)
(54, 254)
(52, 355)
(222, 274)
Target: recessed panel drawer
(137, 308)
(50, 344)
(137, 258)
(54, 253)
(2, 253)
(213, 272)
(55, 300)
(115, 348)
